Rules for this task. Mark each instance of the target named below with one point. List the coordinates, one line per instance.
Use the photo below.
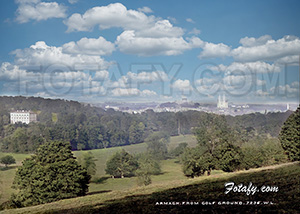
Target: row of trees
(87, 127)
(122, 164)
(220, 147)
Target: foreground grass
(143, 199)
(102, 183)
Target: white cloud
(182, 85)
(135, 78)
(266, 49)
(162, 28)
(248, 68)
(211, 50)
(128, 92)
(262, 93)
(291, 60)
(195, 31)
(89, 46)
(129, 43)
(252, 42)
(40, 54)
(117, 15)
(112, 15)
(291, 90)
(11, 72)
(190, 20)
(145, 10)
(148, 76)
(37, 10)
(73, 1)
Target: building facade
(22, 116)
(222, 102)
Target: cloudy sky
(140, 51)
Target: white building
(222, 102)
(22, 116)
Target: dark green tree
(88, 162)
(178, 150)
(122, 164)
(290, 136)
(51, 174)
(7, 160)
(157, 145)
(228, 157)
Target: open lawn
(101, 181)
(198, 190)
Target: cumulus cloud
(127, 92)
(11, 72)
(182, 85)
(289, 90)
(40, 54)
(252, 42)
(162, 28)
(266, 49)
(89, 46)
(37, 10)
(112, 15)
(142, 77)
(73, 1)
(190, 20)
(211, 50)
(145, 10)
(117, 15)
(248, 68)
(195, 31)
(129, 43)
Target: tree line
(87, 127)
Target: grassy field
(201, 189)
(102, 182)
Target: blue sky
(140, 51)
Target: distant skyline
(144, 51)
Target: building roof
(22, 111)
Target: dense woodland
(87, 127)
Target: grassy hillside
(202, 189)
(102, 182)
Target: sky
(144, 51)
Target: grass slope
(102, 183)
(143, 199)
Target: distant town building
(222, 102)
(22, 116)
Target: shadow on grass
(286, 200)
(8, 168)
(100, 180)
(98, 192)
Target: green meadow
(102, 182)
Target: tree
(290, 136)
(212, 134)
(178, 150)
(51, 174)
(229, 157)
(157, 145)
(121, 164)
(196, 162)
(7, 160)
(88, 162)
(147, 166)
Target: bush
(7, 160)
(121, 164)
(51, 174)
